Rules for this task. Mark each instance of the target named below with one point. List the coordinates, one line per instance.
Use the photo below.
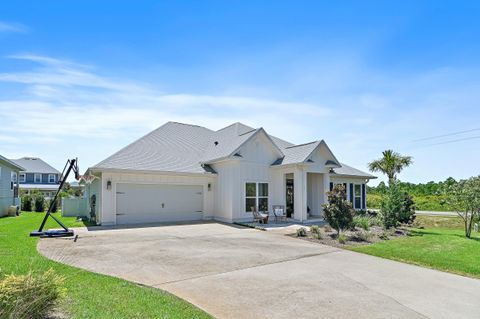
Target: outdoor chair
(260, 217)
(279, 213)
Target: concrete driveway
(244, 273)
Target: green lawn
(441, 245)
(89, 295)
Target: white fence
(73, 207)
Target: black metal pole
(71, 165)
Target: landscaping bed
(354, 237)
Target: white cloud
(12, 27)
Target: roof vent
(216, 143)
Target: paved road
(428, 212)
(244, 273)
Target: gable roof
(10, 163)
(35, 165)
(186, 148)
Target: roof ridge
(255, 129)
(188, 124)
(317, 141)
(236, 123)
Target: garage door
(142, 203)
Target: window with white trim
(37, 178)
(358, 196)
(13, 180)
(52, 178)
(256, 195)
(22, 178)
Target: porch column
(300, 194)
(326, 186)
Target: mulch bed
(356, 237)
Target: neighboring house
(8, 184)
(183, 172)
(38, 175)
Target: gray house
(8, 184)
(38, 175)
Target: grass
(440, 245)
(89, 295)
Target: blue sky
(85, 79)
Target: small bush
(407, 214)
(39, 203)
(338, 211)
(362, 222)
(363, 235)
(302, 232)
(316, 232)
(342, 239)
(53, 204)
(27, 203)
(32, 296)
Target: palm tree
(390, 164)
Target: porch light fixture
(109, 185)
(209, 187)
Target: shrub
(338, 211)
(363, 235)
(316, 233)
(362, 222)
(407, 214)
(39, 203)
(302, 232)
(342, 239)
(30, 296)
(391, 206)
(53, 204)
(27, 203)
(327, 228)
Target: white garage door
(145, 203)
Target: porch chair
(280, 213)
(260, 217)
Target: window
(256, 195)
(358, 196)
(22, 178)
(13, 180)
(250, 196)
(37, 178)
(51, 178)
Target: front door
(289, 197)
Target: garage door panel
(145, 203)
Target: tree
(338, 211)
(464, 196)
(390, 164)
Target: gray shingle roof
(35, 165)
(347, 170)
(11, 163)
(177, 147)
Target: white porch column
(300, 194)
(326, 186)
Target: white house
(183, 172)
(8, 184)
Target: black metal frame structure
(71, 164)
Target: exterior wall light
(209, 187)
(109, 185)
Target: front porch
(304, 193)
